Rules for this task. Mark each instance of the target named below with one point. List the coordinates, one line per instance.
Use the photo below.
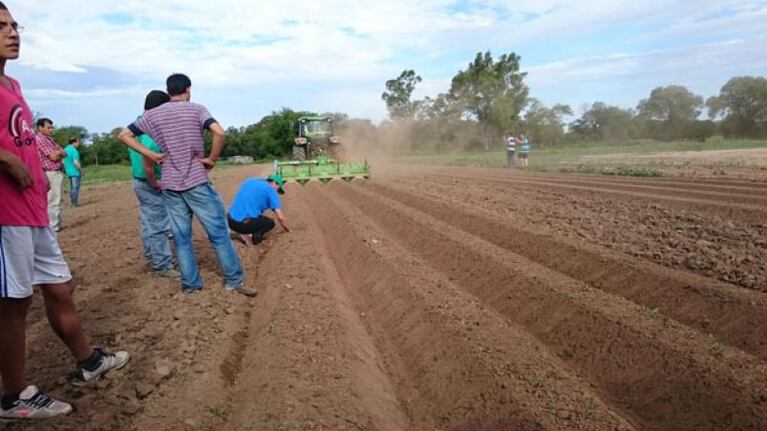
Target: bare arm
(282, 219)
(57, 155)
(151, 178)
(218, 144)
(17, 169)
(129, 139)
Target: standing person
(51, 155)
(511, 149)
(255, 196)
(74, 170)
(153, 217)
(178, 128)
(524, 149)
(30, 256)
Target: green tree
(62, 134)
(398, 93)
(602, 122)
(545, 126)
(492, 92)
(670, 112)
(742, 105)
(105, 149)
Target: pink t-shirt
(17, 135)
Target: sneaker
(167, 273)
(109, 361)
(33, 404)
(242, 290)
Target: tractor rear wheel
(299, 152)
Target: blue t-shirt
(69, 161)
(255, 196)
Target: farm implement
(317, 154)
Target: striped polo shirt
(511, 143)
(178, 127)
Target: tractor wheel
(299, 153)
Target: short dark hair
(155, 98)
(41, 121)
(177, 84)
(2, 6)
(73, 139)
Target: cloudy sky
(90, 62)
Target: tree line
(491, 97)
(485, 100)
(268, 139)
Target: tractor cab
(314, 137)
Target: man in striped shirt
(50, 157)
(511, 149)
(178, 127)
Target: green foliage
(742, 105)
(492, 92)
(669, 112)
(62, 134)
(105, 149)
(270, 138)
(545, 126)
(605, 123)
(398, 93)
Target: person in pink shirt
(30, 256)
(51, 155)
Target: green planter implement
(321, 168)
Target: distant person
(178, 127)
(524, 149)
(155, 226)
(74, 170)
(51, 155)
(511, 149)
(30, 257)
(255, 197)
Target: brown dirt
(435, 298)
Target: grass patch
(98, 174)
(101, 174)
(621, 171)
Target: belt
(140, 179)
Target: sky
(91, 62)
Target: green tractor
(318, 154)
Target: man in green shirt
(155, 225)
(73, 169)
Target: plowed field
(436, 299)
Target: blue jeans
(204, 203)
(155, 226)
(74, 190)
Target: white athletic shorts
(29, 256)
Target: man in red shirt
(30, 256)
(50, 157)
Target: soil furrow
(669, 376)
(736, 315)
(308, 347)
(755, 212)
(457, 364)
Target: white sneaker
(109, 361)
(33, 404)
